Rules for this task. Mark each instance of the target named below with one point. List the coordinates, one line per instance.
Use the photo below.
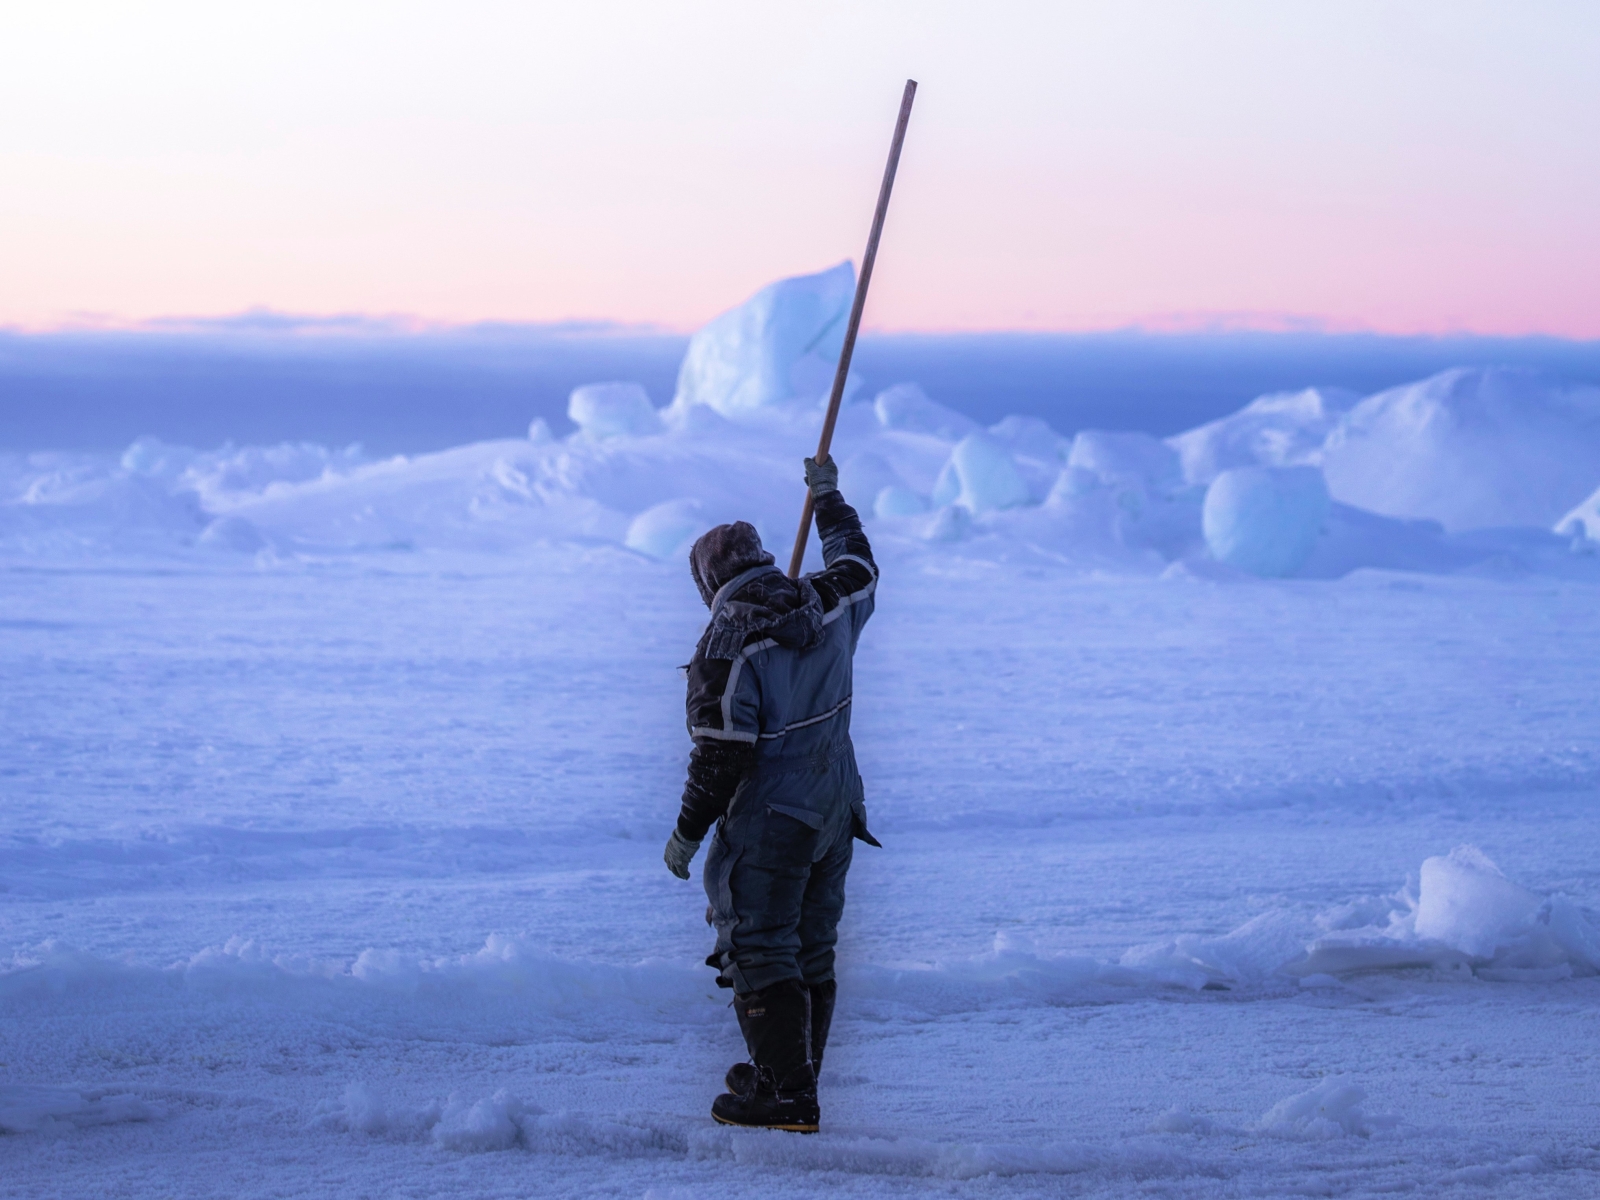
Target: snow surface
(334, 794)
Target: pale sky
(1396, 166)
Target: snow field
(328, 826)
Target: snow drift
(1463, 918)
(1469, 449)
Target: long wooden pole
(860, 302)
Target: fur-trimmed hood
(749, 597)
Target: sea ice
(1467, 904)
(666, 530)
(607, 410)
(865, 474)
(981, 477)
(1330, 1110)
(28, 1108)
(1031, 438)
(1583, 521)
(907, 408)
(1489, 446)
(950, 524)
(1282, 429)
(895, 500)
(1470, 448)
(1265, 520)
(781, 343)
(1128, 458)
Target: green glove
(822, 477)
(678, 853)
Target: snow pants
(776, 868)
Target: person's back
(770, 690)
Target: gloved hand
(678, 853)
(822, 477)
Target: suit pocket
(804, 815)
(789, 838)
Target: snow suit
(772, 765)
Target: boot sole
(785, 1128)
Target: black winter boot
(741, 1077)
(822, 997)
(777, 1029)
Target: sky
(1417, 167)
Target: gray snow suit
(769, 712)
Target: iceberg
(780, 344)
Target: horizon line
(260, 321)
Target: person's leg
(756, 879)
(820, 910)
(821, 906)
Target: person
(774, 769)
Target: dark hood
(766, 603)
(720, 554)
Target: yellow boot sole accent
(785, 1128)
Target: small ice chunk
(1283, 429)
(906, 407)
(949, 524)
(1320, 980)
(898, 501)
(1029, 437)
(1127, 457)
(53, 1111)
(493, 1123)
(608, 410)
(152, 457)
(1265, 520)
(1582, 524)
(1330, 1110)
(864, 475)
(232, 533)
(1467, 904)
(981, 476)
(1574, 933)
(1181, 1120)
(667, 530)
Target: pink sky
(1417, 167)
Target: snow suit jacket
(771, 678)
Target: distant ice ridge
(1489, 469)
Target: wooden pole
(860, 302)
